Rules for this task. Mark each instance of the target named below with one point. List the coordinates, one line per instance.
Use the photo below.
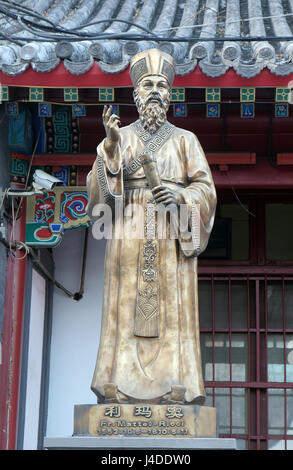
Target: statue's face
(152, 98)
(152, 88)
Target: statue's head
(152, 73)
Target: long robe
(146, 368)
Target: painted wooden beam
(87, 159)
(95, 77)
(285, 159)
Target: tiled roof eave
(168, 18)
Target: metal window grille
(247, 354)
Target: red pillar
(12, 341)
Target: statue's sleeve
(105, 180)
(199, 197)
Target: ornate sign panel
(50, 214)
(144, 420)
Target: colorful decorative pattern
(50, 215)
(39, 124)
(11, 108)
(4, 93)
(247, 95)
(62, 174)
(178, 94)
(55, 228)
(44, 208)
(44, 110)
(62, 132)
(115, 109)
(247, 110)
(40, 234)
(73, 171)
(78, 110)
(20, 133)
(213, 110)
(75, 135)
(281, 110)
(282, 94)
(36, 94)
(18, 167)
(180, 110)
(213, 94)
(71, 94)
(106, 94)
(73, 206)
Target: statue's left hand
(164, 195)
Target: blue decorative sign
(44, 109)
(180, 109)
(115, 109)
(78, 110)
(281, 110)
(247, 110)
(213, 110)
(11, 108)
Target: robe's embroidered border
(147, 303)
(149, 252)
(141, 131)
(195, 226)
(150, 223)
(154, 143)
(149, 249)
(109, 198)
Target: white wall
(75, 330)
(34, 361)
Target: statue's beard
(152, 114)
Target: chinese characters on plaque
(145, 420)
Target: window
(247, 355)
(279, 231)
(230, 235)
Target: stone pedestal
(141, 443)
(144, 420)
(143, 426)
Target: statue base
(111, 444)
(139, 427)
(144, 420)
(142, 426)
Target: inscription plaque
(145, 420)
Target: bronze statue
(150, 347)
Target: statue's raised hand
(111, 123)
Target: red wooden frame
(87, 159)
(285, 159)
(243, 170)
(12, 340)
(262, 175)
